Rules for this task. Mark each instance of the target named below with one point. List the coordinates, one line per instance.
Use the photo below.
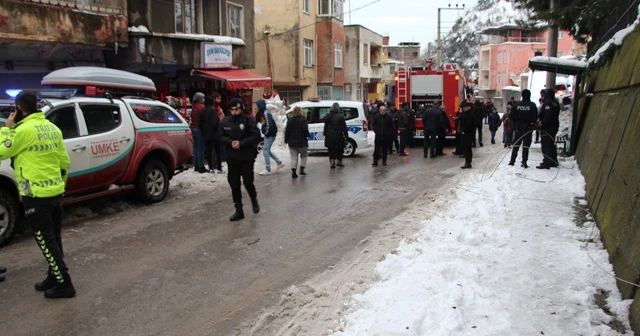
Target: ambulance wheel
(8, 216)
(349, 148)
(152, 184)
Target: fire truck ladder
(402, 85)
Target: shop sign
(216, 56)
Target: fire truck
(422, 86)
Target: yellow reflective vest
(39, 158)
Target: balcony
(108, 7)
(505, 39)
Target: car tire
(152, 184)
(349, 148)
(9, 209)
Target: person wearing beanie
(240, 135)
(198, 141)
(209, 123)
(269, 130)
(524, 115)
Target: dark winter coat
(269, 127)
(244, 129)
(335, 130)
(479, 112)
(209, 123)
(432, 119)
(382, 126)
(444, 122)
(411, 116)
(524, 115)
(494, 121)
(467, 122)
(402, 117)
(550, 116)
(296, 134)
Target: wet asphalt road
(181, 268)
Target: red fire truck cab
(422, 86)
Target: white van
(316, 111)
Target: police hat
(237, 102)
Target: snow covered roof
(508, 26)
(393, 61)
(615, 40)
(139, 29)
(557, 65)
(511, 88)
(142, 30)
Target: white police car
(316, 110)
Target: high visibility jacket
(39, 158)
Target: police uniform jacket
(524, 114)
(242, 128)
(550, 116)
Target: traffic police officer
(524, 115)
(240, 135)
(40, 162)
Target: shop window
(185, 16)
(236, 20)
(101, 118)
(155, 114)
(308, 53)
(65, 119)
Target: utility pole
(269, 66)
(439, 43)
(552, 48)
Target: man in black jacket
(240, 134)
(431, 121)
(209, 123)
(442, 131)
(466, 127)
(479, 112)
(382, 126)
(549, 124)
(524, 115)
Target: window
(415, 54)
(185, 16)
(500, 57)
(156, 114)
(290, 97)
(349, 113)
(101, 118)
(308, 53)
(324, 92)
(236, 20)
(333, 8)
(307, 112)
(365, 54)
(560, 34)
(337, 93)
(323, 112)
(358, 92)
(324, 7)
(65, 119)
(338, 8)
(305, 6)
(338, 55)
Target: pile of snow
(507, 258)
(191, 182)
(279, 148)
(560, 61)
(139, 29)
(616, 40)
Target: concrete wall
(609, 159)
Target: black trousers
(404, 138)
(479, 129)
(467, 141)
(458, 143)
(548, 144)
(380, 148)
(44, 215)
(212, 154)
(442, 134)
(394, 142)
(523, 137)
(336, 153)
(244, 170)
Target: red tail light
(189, 135)
(365, 126)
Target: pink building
(507, 52)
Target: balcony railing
(503, 39)
(109, 7)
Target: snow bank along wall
(609, 156)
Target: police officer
(240, 135)
(524, 115)
(466, 127)
(40, 163)
(549, 124)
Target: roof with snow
(557, 65)
(495, 30)
(142, 30)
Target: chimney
(385, 40)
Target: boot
(466, 166)
(293, 173)
(375, 163)
(61, 289)
(239, 214)
(47, 283)
(524, 165)
(339, 163)
(255, 205)
(302, 172)
(333, 164)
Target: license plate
(419, 133)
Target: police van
(316, 110)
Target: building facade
(507, 52)
(37, 37)
(300, 44)
(364, 64)
(406, 52)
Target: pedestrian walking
(239, 133)
(402, 118)
(296, 135)
(40, 163)
(442, 131)
(209, 124)
(494, 124)
(269, 130)
(524, 115)
(431, 121)
(467, 127)
(507, 129)
(382, 126)
(198, 140)
(549, 124)
(335, 135)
